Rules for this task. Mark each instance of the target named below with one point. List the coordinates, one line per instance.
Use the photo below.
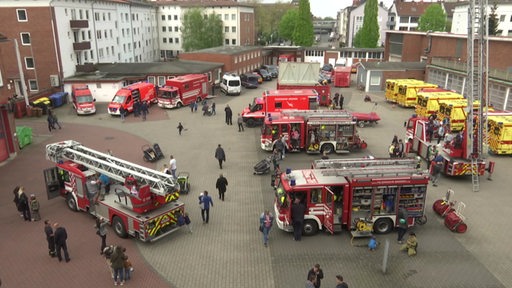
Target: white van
(231, 84)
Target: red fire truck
(456, 157)
(142, 202)
(83, 102)
(277, 100)
(183, 90)
(362, 189)
(315, 131)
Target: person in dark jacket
(318, 273)
(206, 201)
(49, 238)
(136, 108)
(402, 223)
(144, 109)
(101, 230)
(298, 210)
(23, 204)
(221, 184)
(229, 115)
(61, 236)
(220, 155)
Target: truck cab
(183, 90)
(82, 99)
(128, 95)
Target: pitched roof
(449, 7)
(202, 3)
(411, 8)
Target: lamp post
(20, 69)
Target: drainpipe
(55, 46)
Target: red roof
(411, 8)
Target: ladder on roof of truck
(373, 171)
(115, 168)
(364, 162)
(318, 113)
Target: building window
(164, 40)
(226, 17)
(100, 53)
(175, 17)
(32, 83)
(170, 40)
(25, 38)
(169, 17)
(163, 17)
(29, 63)
(176, 40)
(226, 41)
(176, 29)
(233, 17)
(233, 41)
(233, 29)
(22, 15)
(164, 29)
(414, 19)
(161, 80)
(226, 29)
(151, 79)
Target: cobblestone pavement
(228, 252)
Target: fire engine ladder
(115, 168)
(318, 113)
(363, 162)
(477, 79)
(372, 171)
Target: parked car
(260, 79)
(250, 80)
(264, 74)
(272, 69)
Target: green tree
(434, 19)
(368, 35)
(267, 19)
(303, 34)
(287, 24)
(201, 31)
(493, 20)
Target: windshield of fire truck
(118, 99)
(256, 107)
(168, 94)
(84, 99)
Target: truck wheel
(251, 122)
(199, 100)
(71, 203)
(119, 228)
(310, 228)
(383, 226)
(327, 148)
(179, 105)
(360, 124)
(421, 220)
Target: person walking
(229, 115)
(16, 200)
(48, 231)
(220, 155)
(436, 168)
(136, 108)
(180, 128)
(340, 283)
(266, 221)
(34, 208)
(23, 204)
(117, 263)
(144, 109)
(60, 242)
(213, 108)
(101, 230)
(240, 122)
(54, 118)
(298, 210)
(403, 215)
(221, 185)
(122, 112)
(192, 106)
(172, 166)
(51, 124)
(342, 99)
(207, 202)
(318, 273)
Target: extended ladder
(373, 171)
(115, 168)
(318, 113)
(364, 162)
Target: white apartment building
(504, 12)
(356, 19)
(237, 18)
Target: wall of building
(239, 63)
(503, 11)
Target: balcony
(86, 68)
(86, 45)
(78, 24)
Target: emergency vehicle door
(329, 210)
(51, 180)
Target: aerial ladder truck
(142, 203)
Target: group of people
(117, 261)
(397, 148)
(315, 276)
(337, 101)
(140, 108)
(28, 207)
(56, 236)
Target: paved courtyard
(228, 252)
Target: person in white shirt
(172, 164)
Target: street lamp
(20, 69)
